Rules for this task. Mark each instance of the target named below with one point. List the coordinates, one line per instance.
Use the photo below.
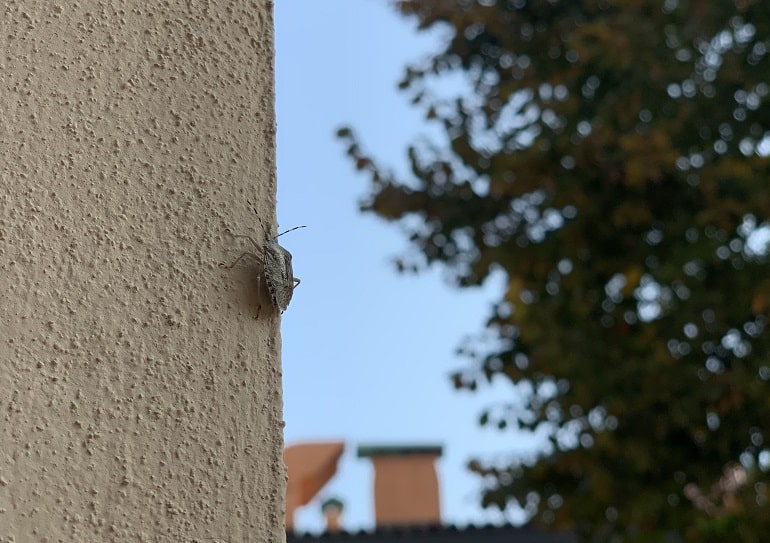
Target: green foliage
(610, 158)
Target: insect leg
(252, 255)
(254, 243)
(259, 293)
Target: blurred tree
(610, 157)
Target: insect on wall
(276, 266)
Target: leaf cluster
(610, 157)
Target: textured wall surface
(140, 399)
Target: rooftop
(439, 534)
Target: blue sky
(366, 351)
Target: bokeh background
(367, 352)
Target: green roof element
(365, 451)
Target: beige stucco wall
(139, 398)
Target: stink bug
(276, 264)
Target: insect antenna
(282, 233)
(290, 229)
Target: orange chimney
(405, 484)
(332, 511)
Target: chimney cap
(334, 503)
(365, 451)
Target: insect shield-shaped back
(276, 263)
(279, 275)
